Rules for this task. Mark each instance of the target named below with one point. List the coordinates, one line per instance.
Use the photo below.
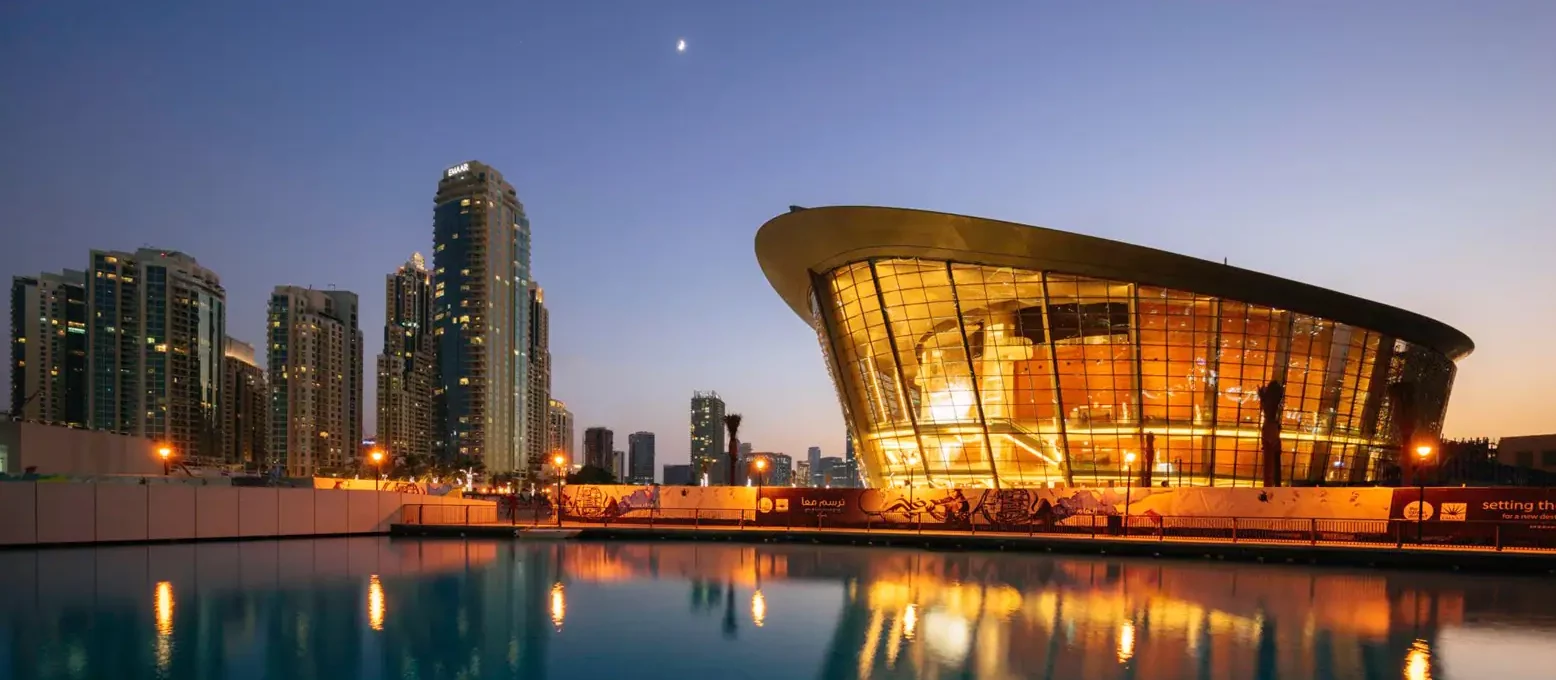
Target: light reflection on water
(376, 608)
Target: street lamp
(378, 467)
(165, 452)
(1129, 487)
(761, 477)
(558, 460)
(1423, 452)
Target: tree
(591, 474)
(1270, 398)
(732, 423)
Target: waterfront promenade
(1318, 547)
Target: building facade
(407, 368)
(833, 473)
(976, 353)
(537, 402)
(678, 475)
(708, 443)
(599, 445)
(1533, 452)
(245, 407)
(779, 469)
(618, 466)
(559, 430)
(481, 259)
(640, 454)
(802, 475)
(156, 326)
(49, 349)
(315, 375)
(813, 458)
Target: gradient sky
(1400, 151)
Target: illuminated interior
(967, 375)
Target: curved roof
(792, 245)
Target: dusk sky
(1399, 151)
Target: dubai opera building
(970, 352)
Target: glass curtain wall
(967, 375)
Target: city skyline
(1306, 159)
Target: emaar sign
(457, 170)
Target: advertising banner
(1502, 516)
(1535, 507)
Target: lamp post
(1129, 487)
(1423, 452)
(761, 477)
(558, 460)
(165, 453)
(378, 467)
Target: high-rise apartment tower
(559, 431)
(315, 380)
(407, 369)
(156, 326)
(481, 282)
(245, 407)
(707, 416)
(48, 348)
(537, 403)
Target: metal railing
(1401, 534)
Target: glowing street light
(1423, 452)
(761, 477)
(378, 467)
(165, 453)
(559, 461)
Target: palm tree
(1270, 397)
(732, 423)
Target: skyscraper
(707, 415)
(813, 456)
(156, 326)
(599, 443)
(537, 403)
(640, 464)
(245, 407)
(407, 368)
(480, 283)
(315, 380)
(48, 348)
(618, 466)
(559, 431)
(849, 459)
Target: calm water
(380, 608)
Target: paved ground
(1261, 549)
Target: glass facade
(481, 278)
(955, 374)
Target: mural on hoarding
(600, 502)
(949, 507)
(961, 507)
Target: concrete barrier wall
(49, 513)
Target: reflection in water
(375, 603)
(163, 606)
(558, 605)
(1418, 661)
(758, 608)
(1126, 642)
(467, 609)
